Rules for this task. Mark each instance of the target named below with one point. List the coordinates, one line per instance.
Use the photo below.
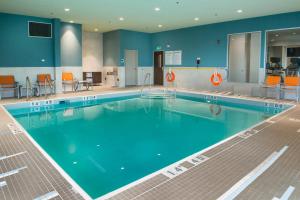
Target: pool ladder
(48, 83)
(29, 89)
(155, 93)
(147, 78)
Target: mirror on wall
(244, 57)
(283, 52)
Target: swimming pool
(106, 143)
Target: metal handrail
(28, 87)
(147, 77)
(49, 84)
(167, 91)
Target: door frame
(163, 66)
(137, 65)
(227, 56)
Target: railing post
(28, 87)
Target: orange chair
(272, 82)
(291, 84)
(68, 79)
(292, 81)
(45, 81)
(8, 83)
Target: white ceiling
(288, 37)
(140, 15)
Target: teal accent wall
(201, 41)
(19, 50)
(71, 44)
(64, 48)
(142, 42)
(111, 48)
(56, 42)
(116, 42)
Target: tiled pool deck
(26, 174)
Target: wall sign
(173, 57)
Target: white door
(237, 58)
(131, 64)
(255, 57)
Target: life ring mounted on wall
(216, 79)
(170, 76)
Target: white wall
(142, 71)
(237, 58)
(92, 51)
(255, 45)
(118, 79)
(195, 78)
(275, 51)
(199, 79)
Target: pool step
(158, 95)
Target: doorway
(131, 64)
(244, 57)
(283, 52)
(158, 68)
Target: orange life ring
(216, 79)
(170, 76)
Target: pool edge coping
(83, 193)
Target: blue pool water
(110, 143)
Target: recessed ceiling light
(159, 26)
(121, 18)
(294, 33)
(72, 21)
(272, 40)
(196, 18)
(157, 9)
(67, 9)
(95, 29)
(277, 35)
(239, 11)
